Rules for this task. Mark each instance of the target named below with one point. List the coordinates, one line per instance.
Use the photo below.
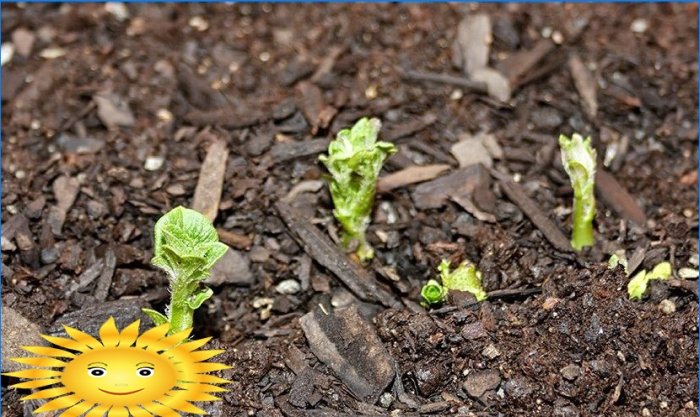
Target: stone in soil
(17, 331)
(351, 348)
(478, 383)
(90, 319)
(232, 268)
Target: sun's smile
(120, 393)
(122, 374)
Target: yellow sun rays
(54, 371)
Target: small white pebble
(371, 92)
(688, 273)
(164, 115)
(557, 37)
(456, 95)
(693, 260)
(546, 32)
(154, 163)
(646, 412)
(264, 56)
(52, 53)
(118, 10)
(288, 286)
(20, 174)
(199, 23)
(667, 306)
(663, 405)
(7, 52)
(639, 26)
(262, 302)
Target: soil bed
(108, 118)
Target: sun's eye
(97, 372)
(144, 372)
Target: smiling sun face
(121, 374)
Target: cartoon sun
(121, 374)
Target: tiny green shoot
(618, 259)
(186, 247)
(579, 160)
(354, 160)
(433, 293)
(638, 284)
(464, 278)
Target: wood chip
(409, 128)
(518, 64)
(65, 190)
(317, 245)
(234, 240)
(113, 110)
(104, 282)
(467, 204)
(615, 196)
(470, 150)
(411, 175)
(585, 84)
(462, 182)
(283, 152)
(471, 47)
(349, 345)
(207, 195)
(549, 229)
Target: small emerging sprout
(464, 278)
(618, 259)
(579, 160)
(638, 285)
(186, 247)
(433, 293)
(354, 160)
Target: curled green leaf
(186, 246)
(464, 278)
(638, 284)
(354, 161)
(579, 160)
(433, 293)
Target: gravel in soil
(111, 116)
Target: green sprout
(433, 293)
(186, 247)
(465, 278)
(638, 285)
(579, 160)
(354, 160)
(618, 259)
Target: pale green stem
(582, 233)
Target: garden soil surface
(109, 113)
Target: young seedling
(464, 278)
(618, 259)
(354, 160)
(579, 160)
(638, 285)
(186, 247)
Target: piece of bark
(549, 229)
(411, 175)
(349, 345)
(518, 64)
(470, 50)
(227, 117)
(104, 282)
(409, 128)
(585, 84)
(207, 195)
(467, 204)
(283, 152)
(618, 198)
(317, 245)
(17, 331)
(465, 83)
(234, 240)
(65, 190)
(435, 193)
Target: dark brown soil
(566, 342)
